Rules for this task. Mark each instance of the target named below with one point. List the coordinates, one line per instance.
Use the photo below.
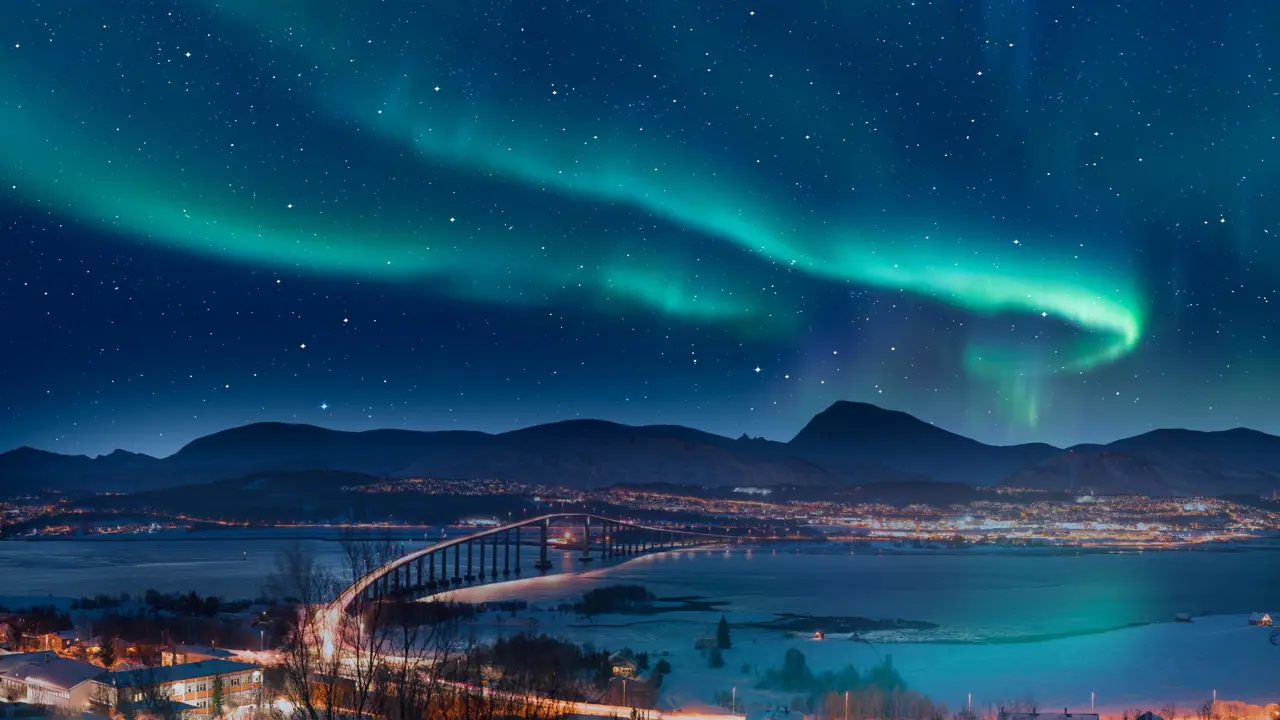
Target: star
(757, 369)
(324, 406)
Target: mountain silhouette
(847, 431)
(849, 443)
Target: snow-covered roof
(47, 669)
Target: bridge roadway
(617, 538)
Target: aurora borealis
(1021, 220)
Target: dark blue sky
(1019, 221)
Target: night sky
(1019, 220)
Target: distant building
(1148, 715)
(624, 664)
(44, 678)
(181, 654)
(190, 684)
(1064, 715)
(8, 638)
(1182, 617)
(1260, 619)
(57, 641)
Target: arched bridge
(475, 557)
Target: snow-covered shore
(1147, 667)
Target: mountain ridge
(846, 443)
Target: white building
(43, 678)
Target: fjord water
(993, 595)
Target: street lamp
(262, 639)
(846, 705)
(733, 701)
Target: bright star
(324, 406)
(757, 369)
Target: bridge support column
(421, 582)
(431, 571)
(457, 564)
(470, 576)
(480, 573)
(493, 566)
(586, 539)
(543, 563)
(506, 553)
(517, 551)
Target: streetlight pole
(733, 701)
(846, 705)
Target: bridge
(426, 571)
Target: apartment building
(190, 684)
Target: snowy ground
(1144, 667)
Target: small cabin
(1260, 619)
(624, 664)
(1182, 617)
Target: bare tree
(310, 678)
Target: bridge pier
(586, 539)
(470, 576)
(457, 564)
(517, 550)
(543, 563)
(506, 553)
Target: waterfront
(993, 595)
(1050, 625)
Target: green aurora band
(702, 236)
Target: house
(180, 654)
(1064, 715)
(44, 678)
(1260, 619)
(190, 684)
(57, 641)
(624, 664)
(1182, 617)
(8, 638)
(705, 642)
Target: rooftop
(47, 669)
(173, 673)
(203, 650)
